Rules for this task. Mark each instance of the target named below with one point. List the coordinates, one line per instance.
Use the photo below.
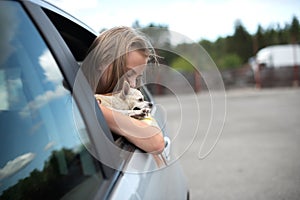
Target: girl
(116, 55)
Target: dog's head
(134, 98)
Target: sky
(195, 19)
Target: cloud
(13, 166)
(53, 75)
(72, 6)
(3, 92)
(49, 145)
(196, 19)
(42, 100)
(9, 28)
(48, 63)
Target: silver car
(55, 143)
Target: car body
(287, 55)
(276, 66)
(55, 143)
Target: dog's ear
(125, 90)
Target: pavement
(242, 144)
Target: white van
(286, 55)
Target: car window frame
(84, 98)
(89, 35)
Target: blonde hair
(105, 63)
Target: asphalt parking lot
(257, 155)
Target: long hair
(105, 63)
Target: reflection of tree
(62, 172)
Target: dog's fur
(128, 101)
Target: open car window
(76, 37)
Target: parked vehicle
(286, 55)
(54, 142)
(277, 66)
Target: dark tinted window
(76, 37)
(43, 154)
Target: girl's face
(136, 63)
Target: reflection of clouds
(53, 75)
(43, 99)
(35, 127)
(13, 166)
(3, 92)
(49, 145)
(48, 63)
(9, 26)
(13, 85)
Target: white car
(54, 142)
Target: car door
(128, 175)
(47, 149)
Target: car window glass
(43, 155)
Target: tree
(226, 52)
(241, 42)
(230, 61)
(259, 40)
(158, 34)
(295, 30)
(182, 64)
(136, 24)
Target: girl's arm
(147, 138)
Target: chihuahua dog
(128, 101)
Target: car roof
(61, 12)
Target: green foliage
(230, 61)
(228, 52)
(52, 181)
(240, 43)
(234, 50)
(295, 30)
(182, 64)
